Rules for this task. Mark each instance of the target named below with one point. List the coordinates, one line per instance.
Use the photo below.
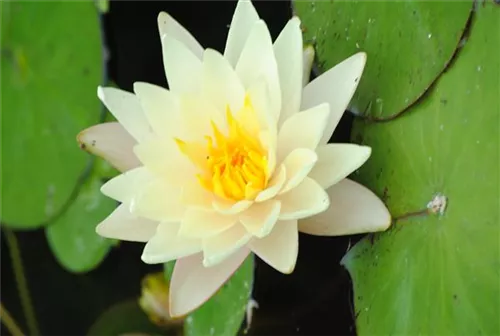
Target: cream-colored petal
(354, 209)
(308, 60)
(197, 113)
(221, 246)
(167, 245)
(122, 225)
(335, 87)
(257, 62)
(260, 99)
(126, 185)
(275, 185)
(182, 67)
(161, 108)
(280, 248)
(111, 142)
(259, 219)
(336, 161)
(125, 107)
(192, 283)
(229, 207)
(220, 84)
(195, 196)
(168, 25)
(298, 164)
(200, 223)
(306, 199)
(289, 57)
(302, 130)
(244, 18)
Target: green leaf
(50, 67)
(437, 274)
(409, 44)
(223, 314)
(168, 270)
(72, 237)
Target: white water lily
(233, 158)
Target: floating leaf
(409, 44)
(51, 65)
(437, 274)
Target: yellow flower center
(235, 165)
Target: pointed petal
(167, 245)
(298, 164)
(280, 248)
(259, 219)
(336, 87)
(126, 185)
(111, 142)
(289, 57)
(302, 130)
(307, 199)
(355, 209)
(122, 225)
(221, 246)
(257, 62)
(197, 113)
(337, 161)
(307, 62)
(230, 208)
(125, 107)
(182, 67)
(199, 223)
(192, 283)
(274, 186)
(244, 18)
(168, 25)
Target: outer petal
(122, 225)
(302, 130)
(355, 209)
(168, 25)
(307, 199)
(125, 186)
(259, 219)
(336, 161)
(192, 284)
(182, 67)
(200, 223)
(336, 87)
(244, 18)
(288, 53)
(111, 142)
(127, 110)
(307, 59)
(167, 245)
(280, 248)
(221, 246)
(298, 164)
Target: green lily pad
(72, 237)
(223, 314)
(51, 65)
(437, 274)
(409, 44)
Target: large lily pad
(409, 43)
(437, 274)
(50, 66)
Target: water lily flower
(234, 158)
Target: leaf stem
(9, 322)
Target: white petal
(288, 53)
(302, 130)
(355, 209)
(336, 87)
(280, 248)
(257, 62)
(167, 245)
(274, 186)
(244, 18)
(195, 196)
(126, 185)
(221, 246)
(192, 283)
(199, 223)
(125, 107)
(182, 67)
(168, 25)
(298, 164)
(259, 219)
(122, 225)
(308, 59)
(197, 113)
(161, 108)
(221, 85)
(230, 208)
(111, 142)
(307, 199)
(336, 161)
